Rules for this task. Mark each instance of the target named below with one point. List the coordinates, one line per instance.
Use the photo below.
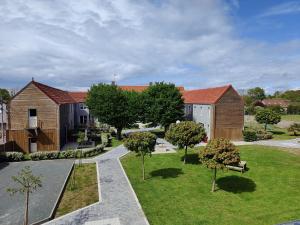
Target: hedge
(256, 135)
(48, 155)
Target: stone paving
(42, 202)
(118, 201)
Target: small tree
(295, 129)
(267, 116)
(185, 134)
(142, 143)
(257, 93)
(27, 184)
(217, 154)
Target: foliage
(267, 116)
(135, 107)
(295, 129)
(249, 135)
(248, 100)
(292, 95)
(293, 109)
(11, 156)
(163, 104)
(257, 93)
(142, 143)
(277, 108)
(110, 105)
(81, 136)
(5, 95)
(185, 134)
(217, 154)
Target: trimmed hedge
(11, 156)
(256, 135)
(48, 155)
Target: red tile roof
(78, 96)
(276, 101)
(57, 95)
(133, 88)
(205, 96)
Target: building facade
(40, 118)
(3, 123)
(220, 110)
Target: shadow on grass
(236, 184)
(167, 173)
(191, 158)
(277, 132)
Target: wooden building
(220, 109)
(40, 118)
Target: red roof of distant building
(78, 96)
(141, 88)
(276, 101)
(205, 96)
(57, 95)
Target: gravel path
(118, 203)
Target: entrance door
(32, 145)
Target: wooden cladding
(229, 116)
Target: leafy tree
(248, 100)
(163, 104)
(135, 106)
(292, 95)
(295, 129)
(217, 154)
(110, 105)
(257, 93)
(28, 183)
(142, 143)
(186, 134)
(4, 94)
(267, 116)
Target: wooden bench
(241, 167)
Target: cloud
(73, 44)
(281, 9)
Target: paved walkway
(118, 204)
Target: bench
(241, 167)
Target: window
(83, 106)
(32, 112)
(83, 119)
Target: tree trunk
(143, 166)
(119, 133)
(185, 155)
(26, 207)
(213, 188)
(265, 126)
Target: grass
(176, 194)
(115, 142)
(83, 193)
(295, 118)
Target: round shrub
(11, 156)
(250, 135)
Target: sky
(194, 43)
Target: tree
(135, 106)
(110, 105)
(295, 129)
(27, 184)
(257, 93)
(142, 143)
(4, 94)
(267, 116)
(185, 134)
(217, 154)
(163, 104)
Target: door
(32, 118)
(32, 145)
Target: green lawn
(295, 118)
(83, 193)
(115, 142)
(174, 193)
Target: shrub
(263, 135)
(249, 135)
(11, 156)
(277, 109)
(293, 109)
(92, 152)
(295, 129)
(44, 155)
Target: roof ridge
(225, 86)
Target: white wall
(4, 123)
(202, 114)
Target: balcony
(33, 126)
